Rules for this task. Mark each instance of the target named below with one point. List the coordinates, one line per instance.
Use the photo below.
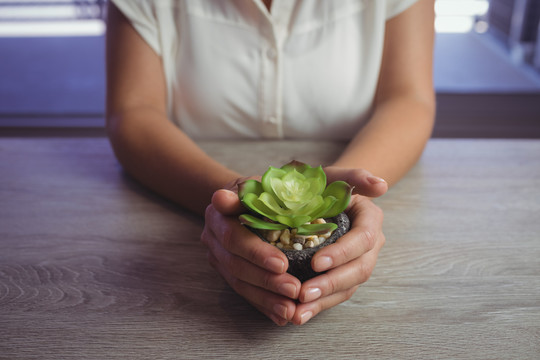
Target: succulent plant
(291, 197)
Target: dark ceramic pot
(300, 260)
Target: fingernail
(375, 180)
(312, 294)
(288, 290)
(323, 263)
(304, 318)
(277, 320)
(281, 311)
(274, 264)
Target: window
(484, 76)
(52, 63)
(461, 16)
(47, 18)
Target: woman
(359, 69)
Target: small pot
(300, 260)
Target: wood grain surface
(93, 266)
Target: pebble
(285, 237)
(273, 235)
(289, 240)
(299, 240)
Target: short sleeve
(142, 15)
(394, 7)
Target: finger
(273, 305)
(271, 315)
(238, 240)
(364, 182)
(227, 203)
(283, 284)
(233, 185)
(342, 278)
(276, 311)
(306, 312)
(366, 218)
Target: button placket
(269, 83)
(282, 12)
(271, 72)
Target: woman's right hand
(254, 269)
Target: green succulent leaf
(342, 192)
(293, 221)
(268, 200)
(271, 173)
(249, 187)
(316, 229)
(317, 179)
(310, 207)
(252, 202)
(287, 220)
(256, 223)
(316, 185)
(327, 204)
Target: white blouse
(306, 69)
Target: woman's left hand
(350, 261)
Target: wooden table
(93, 266)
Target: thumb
(227, 202)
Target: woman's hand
(257, 270)
(352, 258)
(254, 269)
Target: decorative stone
(285, 237)
(273, 235)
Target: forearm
(162, 157)
(393, 140)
